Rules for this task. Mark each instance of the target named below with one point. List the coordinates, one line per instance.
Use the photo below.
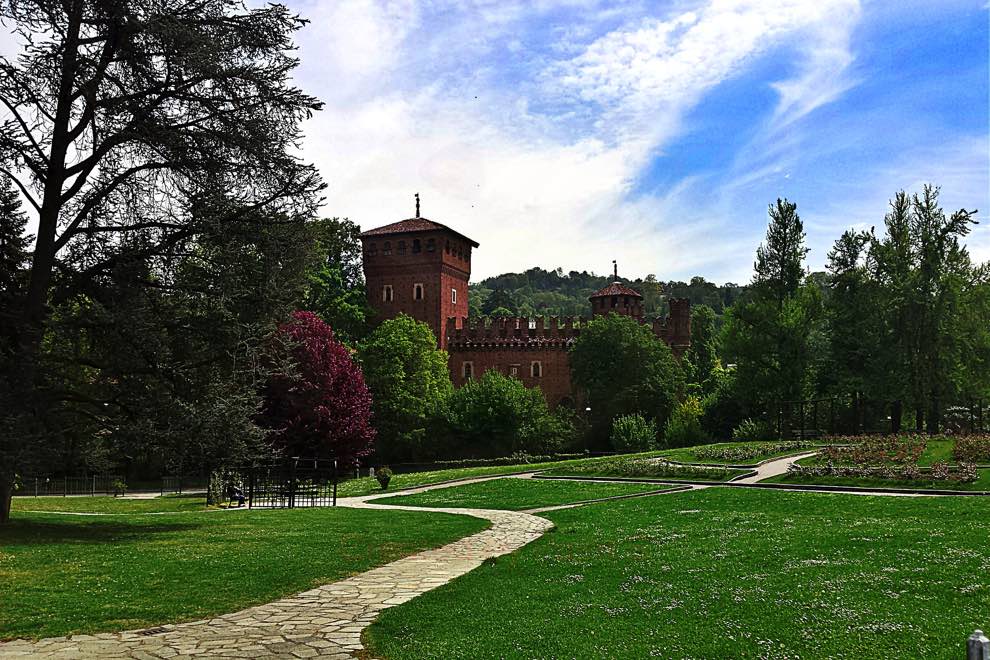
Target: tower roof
(615, 289)
(411, 226)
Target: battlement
(463, 333)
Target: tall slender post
(335, 482)
(250, 486)
(292, 484)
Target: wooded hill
(539, 292)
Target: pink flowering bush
(972, 449)
(321, 407)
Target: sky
(570, 133)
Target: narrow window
(467, 370)
(431, 245)
(373, 249)
(387, 293)
(615, 301)
(417, 291)
(402, 247)
(536, 370)
(417, 247)
(625, 301)
(514, 370)
(453, 296)
(387, 248)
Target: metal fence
(290, 484)
(64, 486)
(853, 415)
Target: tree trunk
(896, 410)
(6, 492)
(934, 417)
(919, 420)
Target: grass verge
(632, 467)
(66, 574)
(518, 494)
(981, 484)
(113, 505)
(718, 573)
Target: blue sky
(656, 133)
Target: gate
(293, 483)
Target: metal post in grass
(92, 491)
(335, 482)
(978, 646)
(250, 486)
(292, 483)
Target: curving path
(772, 468)
(326, 621)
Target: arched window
(417, 291)
(467, 370)
(387, 248)
(417, 247)
(536, 369)
(373, 249)
(387, 293)
(615, 301)
(402, 247)
(431, 245)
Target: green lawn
(518, 494)
(106, 504)
(72, 574)
(981, 484)
(719, 573)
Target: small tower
(617, 298)
(420, 268)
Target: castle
(421, 268)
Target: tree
(624, 369)
(336, 286)
(321, 408)
(410, 382)
(132, 130)
(701, 358)
(497, 415)
(771, 332)
(14, 256)
(499, 298)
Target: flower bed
(963, 473)
(747, 452)
(972, 449)
(875, 450)
(653, 468)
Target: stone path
(326, 621)
(773, 468)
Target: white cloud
(526, 168)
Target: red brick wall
(555, 381)
(447, 267)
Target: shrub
(972, 449)
(383, 475)
(684, 426)
(748, 452)
(119, 487)
(639, 467)
(633, 433)
(750, 430)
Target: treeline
(539, 292)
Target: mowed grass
(690, 454)
(519, 494)
(113, 505)
(720, 572)
(79, 574)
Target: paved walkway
(773, 468)
(326, 621)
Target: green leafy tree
(336, 285)
(633, 433)
(498, 299)
(771, 334)
(14, 258)
(497, 415)
(409, 380)
(701, 359)
(624, 369)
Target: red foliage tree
(323, 407)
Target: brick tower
(617, 298)
(420, 268)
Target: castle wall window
(402, 247)
(387, 293)
(453, 296)
(615, 301)
(373, 249)
(467, 370)
(431, 245)
(417, 291)
(625, 301)
(514, 370)
(417, 246)
(387, 248)
(536, 370)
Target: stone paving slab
(323, 622)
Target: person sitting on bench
(237, 494)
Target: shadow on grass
(31, 531)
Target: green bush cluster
(633, 433)
(684, 426)
(643, 467)
(751, 430)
